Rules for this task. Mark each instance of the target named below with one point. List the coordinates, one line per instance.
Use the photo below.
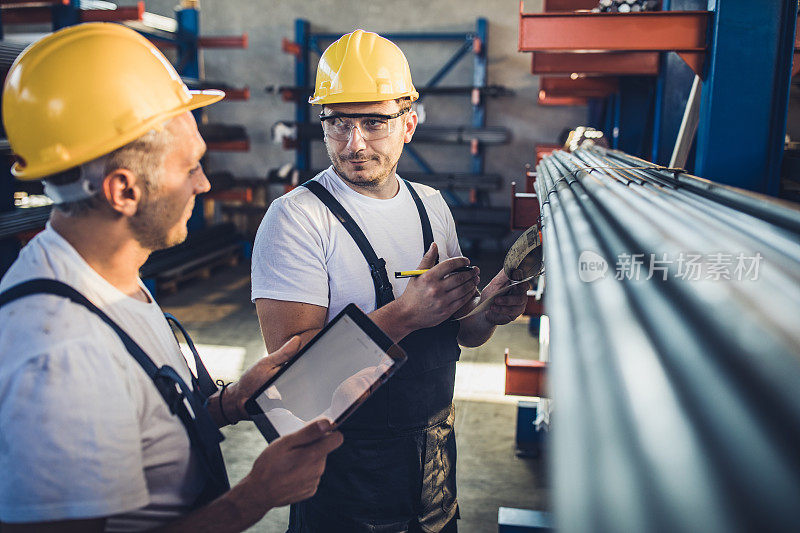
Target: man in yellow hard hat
(334, 241)
(103, 427)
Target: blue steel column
(188, 60)
(188, 31)
(635, 104)
(9, 248)
(745, 93)
(479, 76)
(672, 91)
(617, 111)
(301, 79)
(66, 15)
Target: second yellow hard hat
(362, 67)
(84, 91)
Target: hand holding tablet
(329, 378)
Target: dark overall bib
(201, 428)
(397, 465)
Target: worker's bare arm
(287, 471)
(281, 320)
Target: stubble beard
(154, 224)
(373, 180)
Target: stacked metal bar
(675, 348)
(12, 223)
(202, 246)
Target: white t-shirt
(83, 431)
(302, 253)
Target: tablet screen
(335, 371)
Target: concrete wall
(263, 63)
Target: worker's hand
(437, 294)
(289, 470)
(254, 377)
(507, 307)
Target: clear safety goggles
(372, 126)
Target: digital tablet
(329, 377)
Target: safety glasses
(372, 126)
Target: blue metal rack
(742, 51)
(745, 94)
(185, 37)
(471, 41)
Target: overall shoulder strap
(427, 232)
(203, 433)
(51, 286)
(377, 266)
(204, 380)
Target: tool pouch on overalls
(187, 403)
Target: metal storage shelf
(683, 32)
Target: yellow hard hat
(362, 67)
(84, 91)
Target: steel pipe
(677, 406)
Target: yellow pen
(415, 273)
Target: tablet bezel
(390, 348)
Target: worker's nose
(356, 140)
(202, 184)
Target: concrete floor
(222, 321)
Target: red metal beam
(796, 60)
(525, 377)
(524, 208)
(550, 6)
(291, 47)
(552, 101)
(42, 12)
(237, 94)
(113, 15)
(598, 63)
(579, 87)
(683, 32)
(533, 307)
(235, 194)
(13, 4)
(229, 146)
(234, 41)
(546, 149)
(27, 15)
(530, 175)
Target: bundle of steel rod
(12, 223)
(675, 348)
(200, 246)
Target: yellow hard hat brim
(198, 99)
(365, 97)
